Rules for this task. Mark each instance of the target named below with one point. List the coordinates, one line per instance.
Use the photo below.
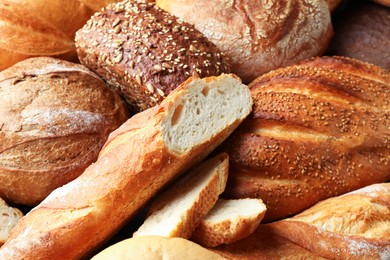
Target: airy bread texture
(353, 226)
(9, 217)
(179, 210)
(318, 129)
(229, 221)
(137, 161)
(156, 248)
(259, 36)
(55, 116)
(30, 28)
(144, 53)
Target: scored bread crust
(318, 129)
(136, 162)
(352, 226)
(144, 53)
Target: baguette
(138, 160)
(352, 226)
(229, 221)
(179, 210)
(9, 217)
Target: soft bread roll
(55, 116)
(259, 36)
(179, 210)
(144, 52)
(363, 32)
(9, 217)
(317, 130)
(39, 28)
(229, 221)
(353, 226)
(156, 248)
(138, 160)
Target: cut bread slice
(182, 207)
(229, 221)
(9, 217)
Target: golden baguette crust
(133, 166)
(352, 226)
(318, 129)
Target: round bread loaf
(144, 52)
(363, 32)
(39, 28)
(317, 130)
(156, 248)
(259, 36)
(55, 117)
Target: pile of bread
(194, 129)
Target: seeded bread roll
(259, 36)
(317, 130)
(54, 118)
(363, 32)
(144, 52)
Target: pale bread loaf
(9, 217)
(229, 221)
(139, 159)
(156, 248)
(179, 210)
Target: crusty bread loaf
(144, 52)
(97, 5)
(317, 130)
(137, 161)
(55, 116)
(180, 209)
(259, 36)
(229, 221)
(352, 226)
(363, 33)
(156, 248)
(9, 217)
(383, 2)
(39, 28)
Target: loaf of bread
(318, 129)
(383, 2)
(353, 226)
(138, 160)
(156, 248)
(97, 5)
(31, 28)
(180, 209)
(144, 52)
(9, 217)
(229, 221)
(55, 116)
(259, 36)
(363, 33)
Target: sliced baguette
(178, 210)
(229, 221)
(9, 217)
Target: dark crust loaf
(318, 129)
(144, 52)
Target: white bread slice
(229, 221)
(177, 211)
(9, 217)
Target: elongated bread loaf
(137, 161)
(179, 210)
(317, 130)
(9, 217)
(352, 226)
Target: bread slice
(229, 221)
(9, 217)
(182, 207)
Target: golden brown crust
(39, 28)
(318, 129)
(259, 36)
(144, 52)
(55, 118)
(353, 226)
